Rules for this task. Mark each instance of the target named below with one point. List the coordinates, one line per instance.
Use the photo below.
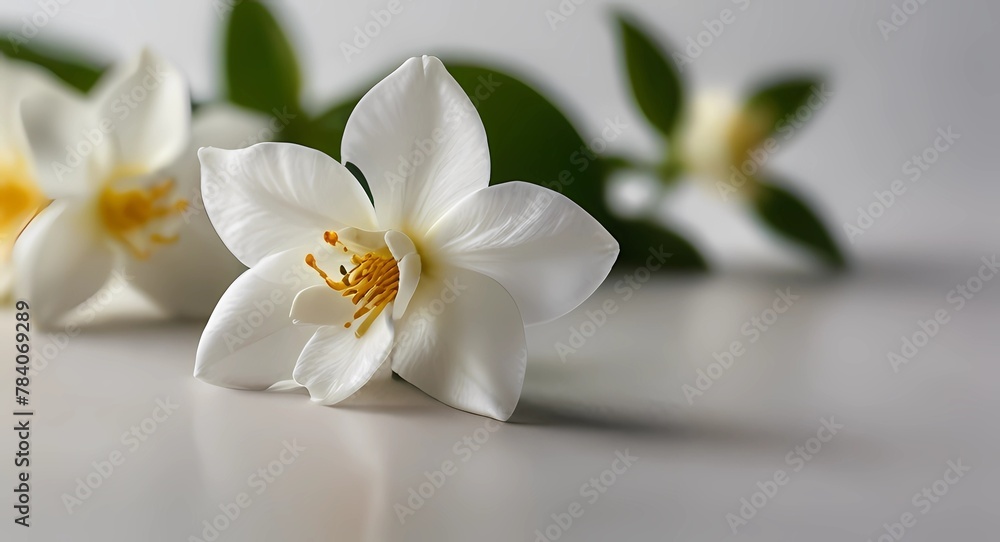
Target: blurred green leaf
(326, 131)
(262, 72)
(791, 217)
(530, 138)
(66, 65)
(656, 84)
(776, 104)
(641, 239)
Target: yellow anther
(20, 199)
(131, 214)
(371, 284)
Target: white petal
(147, 106)
(250, 342)
(20, 80)
(322, 306)
(335, 363)
(284, 385)
(543, 248)
(419, 142)
(273, 196)
(718, 132)
(462, 342)
(362, 241)
(400, 245)
(61, 260)
(409, 279)
(65, 161)
(187, 278)
(408, 261)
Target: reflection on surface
(393, 464)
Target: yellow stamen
(130, 214)
(371, 284)
(20, 199)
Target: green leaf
(792, 218)
(79, 73)
(640, 239)
(656, 84)
(530, 138)
(262, 72)
(326, 131)
(777, 103)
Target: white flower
(121, 168)
(717, 135)
(20, 196)
(441, 275)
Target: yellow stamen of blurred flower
(20, 199)
(131, 214)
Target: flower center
(132, 215)
(20, 200)
(746, 133)
(371, 284)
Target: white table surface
(621, 392)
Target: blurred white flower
(717, 135)
(442, 273)
(633, 192)
(20, 196)
(121, 170)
